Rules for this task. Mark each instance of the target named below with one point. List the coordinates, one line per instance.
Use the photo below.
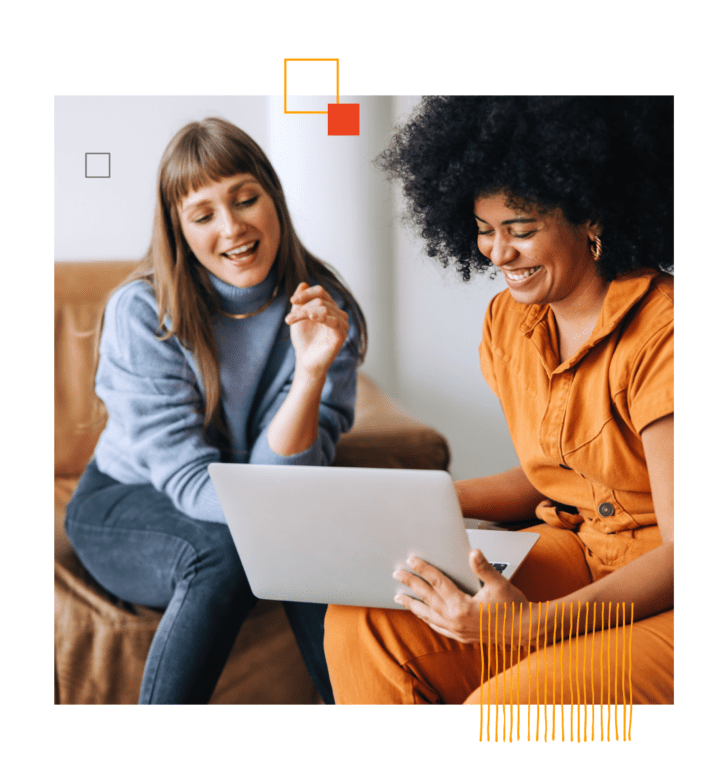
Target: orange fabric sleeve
(651, 389)
(486, 356)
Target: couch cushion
(101, 642)
(386, 435)
(81, 289)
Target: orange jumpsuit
(576, 427)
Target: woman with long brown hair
(230, 342)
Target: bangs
(198, 160)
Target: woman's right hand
(318, 329)
(450, 611)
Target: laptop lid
(336, 534)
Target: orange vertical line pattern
(546, 614)
(601, 677)
(504, 672)
(569, 676)
(609, 672)
(539, 626)
(631, 698)
(554, 670)
(518, 667)
(489, 662)
(496, 675)
(481, 671)
(511, 675)
(616, 681)
(584, 681)
(576, 667)
(594, 627)
(338, 81)
(529, 676)
(561, 669)
(624, 656)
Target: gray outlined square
(97, 165)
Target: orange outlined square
(336, 88)
(343, 120)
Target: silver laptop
(336, 534)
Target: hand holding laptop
(447, 609)
(336, 534)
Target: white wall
(342, 209)
(112, 218)
(424, 323)
(438, 326)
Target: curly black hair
(596, 158)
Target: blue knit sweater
(155, 401)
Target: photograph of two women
(476, 285)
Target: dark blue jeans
(143, 550)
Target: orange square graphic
(308, 79)
(343, 120)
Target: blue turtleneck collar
(241, 300)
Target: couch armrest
(386, 435)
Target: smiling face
(231, 226)
(544, 258)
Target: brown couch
(101, 642)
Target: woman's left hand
(446, 608)
(318, 329)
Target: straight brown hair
(201, 153)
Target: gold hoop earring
(596, 249)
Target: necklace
(257, 311)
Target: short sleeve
(486, 355)
(650, 394)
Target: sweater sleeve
(336, 414)
(155, 405)
(155, 408)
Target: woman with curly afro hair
(570, 199)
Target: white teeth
(242, 249)
(521, 275)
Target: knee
(348, 623)
(345, 632)
(351, 631)
(338, 622)
(346, 651)
(216, 562)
